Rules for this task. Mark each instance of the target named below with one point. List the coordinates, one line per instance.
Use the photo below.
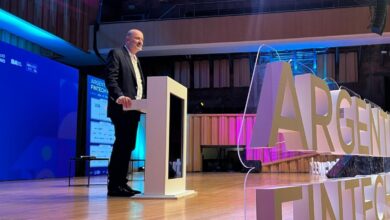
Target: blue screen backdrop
(100, 131)
(38, 115)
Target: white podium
(166, 129)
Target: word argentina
(313, 118)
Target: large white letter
(342, 125)
(278, 110)
(363, 136)
(316, 107)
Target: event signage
(347, 198)
(313, 118)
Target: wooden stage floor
(220, 196)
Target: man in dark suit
(125, 82)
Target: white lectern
(166, 129)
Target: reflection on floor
(220, 196)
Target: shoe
(135, 191)
(128, 188)
(120, 192)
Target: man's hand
(124, 101)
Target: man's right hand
(124, 101)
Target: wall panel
(223, 130)
(68, 19)
(258, 27)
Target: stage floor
(220, 196)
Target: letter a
(278, 110)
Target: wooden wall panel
(241, 72)
(30, 12)
(239, 125)
(221, 73)
(4, 4)
(80, 26)
(190, 144)
(222, 130)
(60, 21)
(205, 73)
(182, 73)
(68, 19)
(23, 8)
(232, 130)
(53, 16)
(38, 12)
(260, 27)
(14, 6)
(293, 167)
(46, 15)
(206, 129)
(201, 74)
(214, 130)
(197, 157)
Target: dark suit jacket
(120, 79)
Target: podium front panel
(176, 120)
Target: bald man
(125, 82)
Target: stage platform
(220, 196)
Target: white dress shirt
(138, 78)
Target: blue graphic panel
(100, 130)
(39, 115)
